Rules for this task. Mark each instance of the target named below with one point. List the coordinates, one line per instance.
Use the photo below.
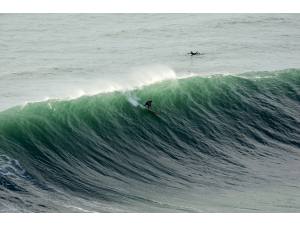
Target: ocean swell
(217, 132)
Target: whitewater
(75, 137)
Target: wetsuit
(148, 104)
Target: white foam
(136, 78)
(147, 75)
(10, 167)
(133, 100)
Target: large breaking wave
(107, 153)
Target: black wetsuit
(148, 104)
(194, 53)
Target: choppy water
(75, 137)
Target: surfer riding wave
(148, 104)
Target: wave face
(219, 143)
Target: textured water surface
(75, 137)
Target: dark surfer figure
(194, 53)
(148, 104)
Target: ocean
(75, 136)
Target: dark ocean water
(218, 144)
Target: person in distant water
(148, 104)
(194, 53)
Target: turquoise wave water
(107, 153)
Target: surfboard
(150, 110)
